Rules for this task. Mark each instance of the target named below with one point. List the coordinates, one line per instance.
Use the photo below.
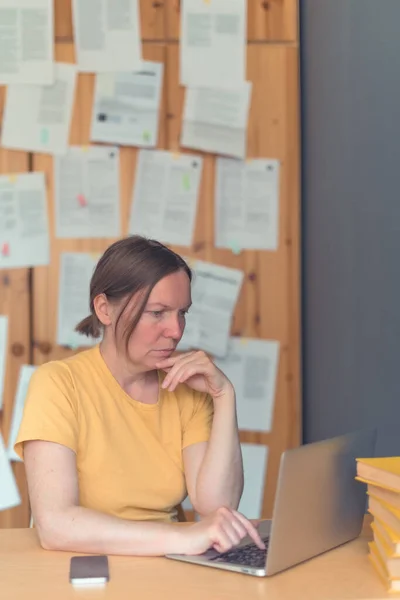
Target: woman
(114, 436)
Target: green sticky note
(44, 135)
(235, 247)
(186, 182)
(72, 345)
(146, 136)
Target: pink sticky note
(82, 200)
(5, 249)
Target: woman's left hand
(198, 371)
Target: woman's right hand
(221, 530)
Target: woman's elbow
(49, 534)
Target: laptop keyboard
(249, 555)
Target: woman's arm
(64, 525)
(214, 469)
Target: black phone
(89, 570)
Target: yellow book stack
(382, 476)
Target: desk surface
(29, 573)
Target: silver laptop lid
(318, 503)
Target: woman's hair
(130, 265)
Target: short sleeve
(198, 425)
(50, 411)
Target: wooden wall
(268, 306)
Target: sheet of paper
(127, 106)
(107, 35)
(255, 467)
(86, 182)
(37, 118)
(165, 196)
(9, 494)
(215, 120)
(213, 43)
(26, 41)
(252, 365)
(215, 290)
(24, 228)
(247, 203)
(25, 375)
(76, 270)
(3, 354)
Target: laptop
(318, 506)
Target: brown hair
(129, 266)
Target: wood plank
(267, 20)
(14, 303)
(46, 279)
(151, 19)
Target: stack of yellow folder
(382, 476)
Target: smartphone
(89, 570)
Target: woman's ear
(102, 309)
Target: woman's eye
(157, 313)
(183, 313)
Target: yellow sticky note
(175, 155)
(85, 148)
(244, 341)
(94, 256)
(12, 178)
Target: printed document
(107, 35)
(252, 365)
(215, 290)
(255, 470)
(26, 42)
(3, 354)
(9, 494)
(215, 120)
(86, 181)
(25, 375)
(165, 196)
(24, 227)
(76, 270)
(247, 203)
(37, 118)
(127, 106)
(213, 43)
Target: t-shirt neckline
(119, 388)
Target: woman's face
(162, 323)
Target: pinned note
(44, 135)
(247, 203)
(37, 118)
(12, 178)
(87, 177)
(3, 353)
(252, 366)
(165, 196)
(235, 247)
(127, 112)
(76, 270)
(215, 291)
(213, 43)
(9, 494)
(23, 221)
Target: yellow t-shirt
(128, 454)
